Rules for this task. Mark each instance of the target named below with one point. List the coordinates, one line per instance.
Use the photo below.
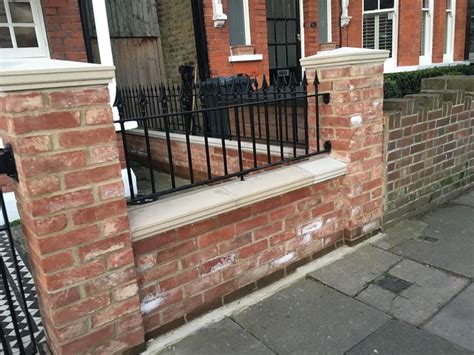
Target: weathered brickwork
(177, 36)
(64, 29)
(195, 268)
(429, 147)
(353, 123)
(74, 217)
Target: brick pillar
(73, 213)
(353, 123)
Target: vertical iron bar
(143, 102)
(127, 160)
(316, 98)
(304, 84)
(206, 140)
(294, 118)
(252, 128)
(220, 120)
(17, 269)
(280, 123)
(164, 109)
(267, 123)
(11, 306)
(237, 133)
(258, 111)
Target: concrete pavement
(410, 292)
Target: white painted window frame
(448, 57)
(427, 58)
(248, 36)
(393, 60)
(329, 14)
(42, 51)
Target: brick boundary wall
(428, 147)
(74, 217)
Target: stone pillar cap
(36, 73)
(344, 56)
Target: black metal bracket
(327, 146)
(7, 162)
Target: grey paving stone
(455, 322)
(310, 318)
(224, 337)
(396, 337)
(431, 290)
(450, 244)
(467, 199)
(400, 232)
(352, 273)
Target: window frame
(329, 20)
(427, 57)
(42, 51)
(248, 37)
(393, 60)
(448, 57)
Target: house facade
(253, 37)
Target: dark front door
(284, 48)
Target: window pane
(369, 32)
(271, 55)
(385, 32)
(3, 15)
(236, 22)
(270, 32)
(448, 4)
(270, 5)
(386, 4)
(5, 39)
(292, 56)
(370, 5)
(281, 56)
(279, 8)
(426, 4)
(424, 16)
(291, 31)
(290, 8)
(323, 20)
(25, 37)
(280, 31)
(21, 12)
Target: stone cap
(344, 56)
(44, 73)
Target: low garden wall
(428, 146)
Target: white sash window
(426, 34)
(449, 31)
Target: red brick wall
(64, 29)
(408, 40)
(218, 42)
(198, 267)
(429, 154)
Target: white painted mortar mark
(356, 121)
(284, 259)
(151, 302)
(370, 227)
(225, 261)
(312, 227)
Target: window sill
(245, 58)
(177, 211)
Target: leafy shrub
(404, 83)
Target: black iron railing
(227, 130)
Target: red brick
(129, 322)
(57, 261)
(62, 298)
(196, 229)
(218, 263)
(52, 163)
(90, 340)
(91, 176)
(115, 225)
(68, 239)
(103, 211)
(103, 154)
(124, 292)
(87, 137)
(84, 307)
(114, 311)
(159, 272)
(78, 97)
(61, 202)
(97, 249)
(201, 284)
(253, 249)
(30, 145)
(154, 243)
(178, 280)
(45, 121)
(111, 190)
(110, 280)
(120, 259)
(48, 225)
(99, 116)
(75, 275)
(176, 251)
(18, 102)
(216, 236)
(268, 230)
(220, 290)
(42, 185)
(250, 224)
(234, 216)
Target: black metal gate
(284, 41)
(21, 331)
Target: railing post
(352, 122)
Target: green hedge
(404, 83)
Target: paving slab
(352, 273)
(409, 229)
(224, 337)
(467, 199)
(310, 318)
(430, 290)
(455, 322)
(396, 337)
(449, 241)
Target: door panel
(283, 25)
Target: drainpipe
(200, 39)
